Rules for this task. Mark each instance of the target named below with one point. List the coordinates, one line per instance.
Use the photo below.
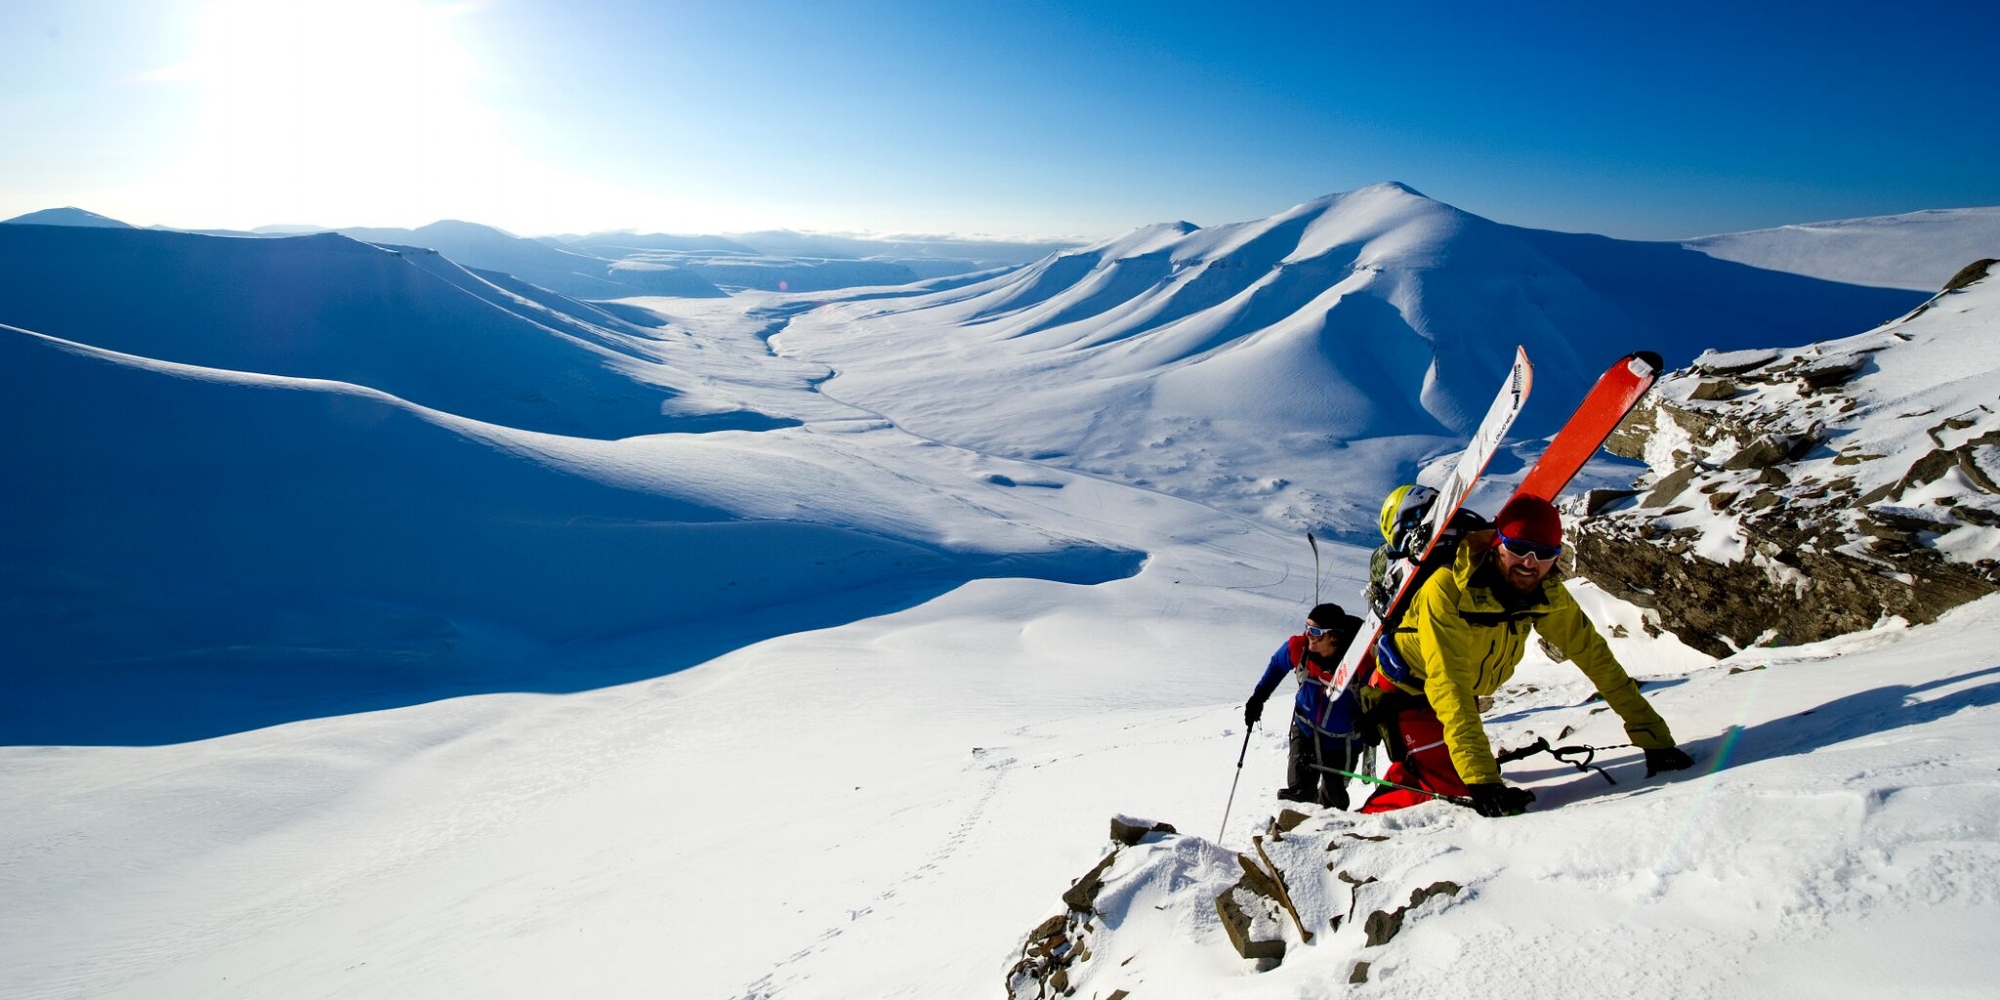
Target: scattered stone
(1129, 831)
(1082, 895)
(1288, 820)
(1383, 926)
(1354, 898)
(1250, 919)
(1672, 486)
(1763, 450)
(1595, 501)
(1284, 892)
(1717, 388)
(1360, 973)
(1042, 972)
(1734, 362)
(1972, 272)
(1830, 372)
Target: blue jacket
(1310, 713)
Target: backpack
(1390, 565)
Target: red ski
(1614, 395)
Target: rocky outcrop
(1143, 891)
(1058, 946)
(1795, 495)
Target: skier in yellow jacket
(1463, 634)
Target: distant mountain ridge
(66, 217)
(1919, 251)
(410, 323)
(1365, 315)
(578, 275)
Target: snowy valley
(591, 619)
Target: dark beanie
(1327, 616)
(1530, 519)
(1333, 617)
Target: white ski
(1471, 464)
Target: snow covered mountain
(562, 271)
(309, 451)
(1917, 250)
(66, 217)
(412, 324)
(1255, 354)
(440, 635)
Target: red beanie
(1531, 519)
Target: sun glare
(362, 108)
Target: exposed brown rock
(1129, 831)
(1382, 925)
(1239, 924)
(1821, 558)
(1083, 893)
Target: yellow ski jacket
(1466, 631)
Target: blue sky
(1020, 118)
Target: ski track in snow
(777, 982)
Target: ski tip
(1653, 363)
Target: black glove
(1254, 710)
(1492, 798)
(1667, 759)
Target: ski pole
(1314, 542)
(1232, 785)
(1457, 800)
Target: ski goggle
(1315, 631)
(1533, 552)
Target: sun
(352, 107)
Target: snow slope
(412, 324)
(1917, 250)
(1838, 842)
(321, 689)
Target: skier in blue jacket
(1324, 735)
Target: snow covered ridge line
(1915, 250)
(1822, 488)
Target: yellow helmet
(1404, 508)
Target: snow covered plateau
(377, 622)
